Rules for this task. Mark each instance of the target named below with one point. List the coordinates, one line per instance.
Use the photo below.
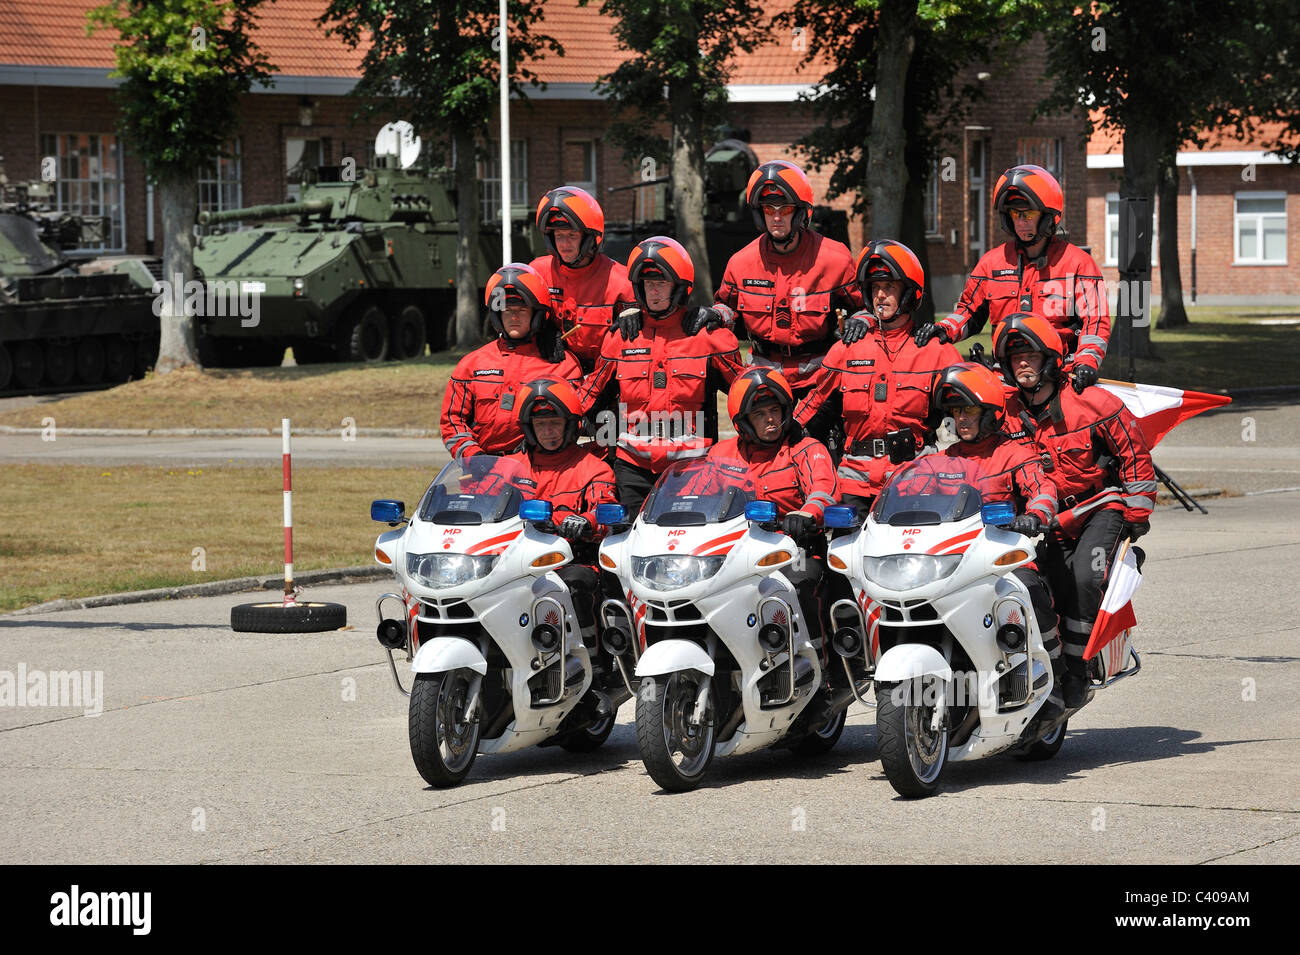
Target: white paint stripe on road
(1272, 490)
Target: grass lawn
(135, 528)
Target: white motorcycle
(947, 631)
(712, 627)
(499, 659)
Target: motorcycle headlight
(670, 572)
(905, 571)
(447, 570)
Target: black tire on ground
(1045, 748)
(310, 351)
(29, 364)
(591, 738)
(60, 363)
(146, 354)
(900, 736)
(438, 322)
(119, 358)
(823, 740)
(6, 367)
(443, 745)
(307, 617)
(406, 334)
(662, 730)
(90, 361)
(364, 337)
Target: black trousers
(1078, 571)
(634, 485)
(584, 586)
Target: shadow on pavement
(110, 624)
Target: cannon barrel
(310, 207)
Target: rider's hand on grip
(575, 527)
(1026, 524)
(628, 323)
(1135, 531)
(799, 525)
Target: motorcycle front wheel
(912, 754)
(676, 752)
(1045, 748)
(443, 742)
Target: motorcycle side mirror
(840, 516)
(998, 513)
(763, 512)
(535, 511)
(611, 515)
(391, 513)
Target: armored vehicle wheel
(364, 337)
(6, 367)
(406, 334)
(60, 363)
(90, 361)
(119, 358)
(29, 364)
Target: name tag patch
(758, 283)
(484, 372)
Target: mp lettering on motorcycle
(446, 543)
(672, 539)
(907, 540)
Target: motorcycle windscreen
(934, 489)
(482, 490)
(709, 490)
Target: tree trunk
(1172, 312)
(469, 325)
(179, 196)
(886, 164)
(688, 184)
(1142, 150)
(913, 236)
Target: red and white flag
(1159, 409)
(1116, 614)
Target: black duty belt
(872, 447)
(1073, 500)
(772, 350)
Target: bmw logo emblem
(751, 620)
(988, 620)
(523, 620)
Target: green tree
(436, 63)
(680, 59)
(184, 65)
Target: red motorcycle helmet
(888, 260)
(1034, 187)
(750, 387)
(1024, 329)
(970, 383)
(661, 257)
(569, 207)
(517, 284)
(779, 182)
(548, 397)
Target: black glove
(575, 527)
(550, 344)
(480, 464)
(697, 319)
(1026, 524)
(926, 332)
(1085, 376)
(799, 525)
(628, 323)
(856, 327)
(1135, 531)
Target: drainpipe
(1191, 177)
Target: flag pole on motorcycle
(289, 615)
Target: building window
(90, 181)
(1260, 227)
(300, 155)
(580, 164)
(1112, 231)
(931, 200)
(489, 178)
(220, 184)
(1047, 152)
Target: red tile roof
(1104, 141)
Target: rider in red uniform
(478, 410)
(881, 386)
(1102, 470)
(1035, 272)
(587, 287)
(663, 379)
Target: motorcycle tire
(913, 763)
(663, 704)
(307, 617)
(443, 745)
(590, 738)
(823, 740)
(1044, 748)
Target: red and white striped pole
(288, 515)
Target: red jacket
(1064, 285)
(879, 384)
(574, 479)
(1000, 469)
(585, 300)
(796, 476)
(664, 382)
(478, 410)
(1074, 431)
(787, 301)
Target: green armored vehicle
(66, 322)
(364, 271)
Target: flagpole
(505, 141)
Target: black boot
(1076, 687)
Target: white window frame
(1259, 218)
(1112, 232)
(224, 176)
(74, 193)
(930, 201)
(489, 188)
